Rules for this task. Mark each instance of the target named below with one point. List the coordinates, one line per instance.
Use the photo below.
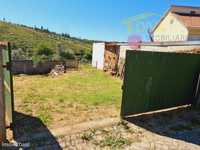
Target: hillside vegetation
(25, 40)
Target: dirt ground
(67, 114)
(172, 130)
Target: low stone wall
(28, 67)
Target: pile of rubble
(58, 70)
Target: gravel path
(174, 130)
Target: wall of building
(122, 56)
(194, 38)
(170, 29)
(194, 34)
(98, 51)
(123, 49)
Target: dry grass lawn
(74, 97)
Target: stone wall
(28, 67)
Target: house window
(171, 21)
(193, 12)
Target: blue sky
(91, 19)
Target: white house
(180, 23)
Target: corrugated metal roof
(173, 43)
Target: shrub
(116, 142)
(66, 54)
(84, 56)
(43, 53)
(19, 54)
(88, 56)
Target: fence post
(2, 103)
(197, 94)
(11, 79)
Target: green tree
(43, 53)
(66, 54)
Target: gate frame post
(11, 82)
(2, 102)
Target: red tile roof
(189, 16)
(189, 21)
(184, 9)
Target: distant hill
(26, 39)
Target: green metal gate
(6, 90)
(158, 80)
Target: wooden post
(197, 94)
(2, 103)
(11, 81)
